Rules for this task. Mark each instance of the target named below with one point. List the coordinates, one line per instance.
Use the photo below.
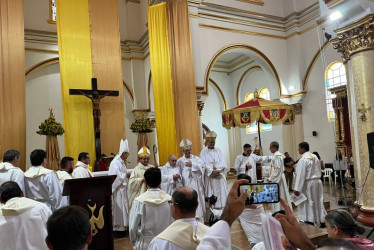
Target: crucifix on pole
(95, 96)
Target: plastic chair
(327, 174)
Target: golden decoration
(98, 221)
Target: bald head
(173, 160)
(185, 199)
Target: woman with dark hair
(340, 224)
(322, 164)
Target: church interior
(315, 56)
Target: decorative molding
(242, 78)
(297, 94)
(220, 93)
(355, 37)
(340, 91)
(41, 65)
(257, 2)
(332, 3)
(200, 106)
(133, 1)
(298, 108)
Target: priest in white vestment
(150, 213)
(241, 160)
(42, 184)
(9, 169)
(171, 176)
(137, 184)
(308, 182)
(185, 232)
(82, 166)
(193, 175)
(215, 171)
(120, 204)
(22, 220)
(249, 165)
(277, 176)
(66, 169)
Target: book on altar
(297, 200)
(272, 232)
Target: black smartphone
(259, 193)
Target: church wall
(37, 16)
(42, 92)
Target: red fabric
(248, 104)
(362, 242)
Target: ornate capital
(200, 107)
(355, 37)
(298, 108)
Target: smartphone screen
(259, 193)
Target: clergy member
(241, 160)
(120, 206)
(308, 182)
(67, 166)
(277, 176)
(137, 185)
(249, 166)
(171, 176)
(150, 213)
(185, 232)
(216, 169)
(193, 175)
(42, 184)
(81, 167)
(9, 169)
(22, 220)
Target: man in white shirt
(185, 232)
(193, 175)
(137, 184)
(215, 171)
(66, 169)
(277, 176)
(81, 167)
(150, 213)
(308, 182)
(42, 184)
(22, 220)
(248, 164)
(69, 228)
(241, 160)
(171, 176)
(120, 203)
(9, 169)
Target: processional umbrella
(258, 110)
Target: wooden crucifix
(95, 96)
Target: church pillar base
(365, 215)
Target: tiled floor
(238, 238)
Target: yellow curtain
(73, 30)
(106, 67)
(12, 79)
(186, 114)
(162, 83)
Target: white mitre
(211, 136)
(185, 144)
(144, 151)
(123, 147)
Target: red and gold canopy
(260, 110)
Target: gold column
(355, 42)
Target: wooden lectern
(94, 195)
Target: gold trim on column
(242, 78)
(220, 93)
(342, 131)
(257, 2)
(355, 37)
(247, 47)
(298, 107)
(129, 92)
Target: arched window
(264, 93)
(334, 76)
(248, 96)
(52, 11)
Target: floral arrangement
(141, 125)
(50, 126)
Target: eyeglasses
(170, 202)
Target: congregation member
(171, 176)
(150, 213)
(215, 171)
(289, 170)
(185, 232)
(193, 175)
(137, 184)
(82, 166)
(249, 166)
(66, 169)
(340, 166)
(42, 184)
(308, 182)
(69, 228)
(9, 169)
(22, 220)
(277, 176)
(120, 204)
